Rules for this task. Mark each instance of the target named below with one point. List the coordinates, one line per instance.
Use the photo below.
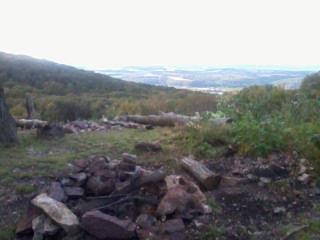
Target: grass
(38, 158)
(7, 233)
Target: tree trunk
(8, 130)
(200, 172)
(30, 106)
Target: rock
(24, 226)
(80, 164)
(148, 147)
(173, 226)
(74, 192)
(56, 192)
(173, 229)
(129, 158)
(279, 210)
(125, 166)
(43, 226)
(105, 226)
(97, 186)
(145, 221)
(58, 212)
(304, 178)
(80, 178)
(302, 169)
(265, 180)
(182, 196)
(149, 127)
(67, 182)
(97, 165)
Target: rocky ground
(264, 198)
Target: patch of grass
(25, 189)
(205, 139)
(38, 158)
(213, 232)
(7, 233)
(215, 207)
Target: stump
(49, 131)
(8, 130)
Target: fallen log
(140, 179)
(163, 120)
(201, 173)
(169, 119)
(30, 123)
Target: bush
(206, 139)
(261, 137)
(311, 85)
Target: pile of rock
(101, 198)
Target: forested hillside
(64, 93)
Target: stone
(58, 212)
(304, 178)
(80, 178)
(129, 158)
(24, 226)
(125, 166)
(97, 186)
(182, 196)
(56, 192)
(265, 180)
(104, 226)
(81, 164)
(172, 226)
(279, 210)
(145, 221)
(74, 192)
(43, 226)
(97, 165)
(67, 182)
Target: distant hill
(58, 79)
(209, 78)
(64, 93)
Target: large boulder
(58, 212)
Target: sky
(97, 34)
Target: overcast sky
(108, 33)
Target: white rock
(58, 212)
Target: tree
(311, 85)
(8, 130)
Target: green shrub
(260, 137)
(206, 139)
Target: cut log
(49, 131)
(8, 130)
(201, 173)
(140, 179)
(30, 123)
